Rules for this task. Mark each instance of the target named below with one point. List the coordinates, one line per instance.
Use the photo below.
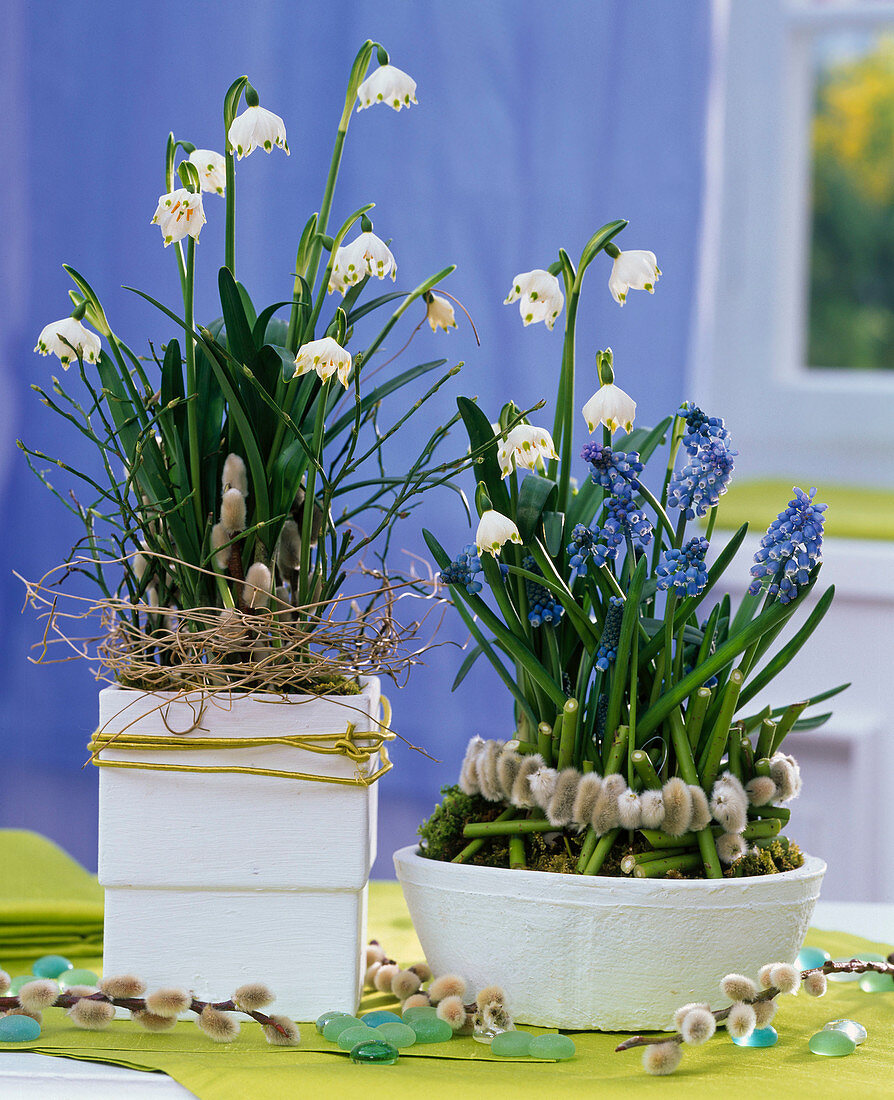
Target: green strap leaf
(482, 439)
(533, 496)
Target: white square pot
(216, 879)
(585, 952)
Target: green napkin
(48, 902)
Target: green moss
(769, 859)
(442, 834)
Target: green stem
(586, 852)
(686, 764)
(566, 411)
(645, 770)
(476, 845)
(192, 411)
(569, 734)
(695, 714)
(716, 743)
(601, 852)
(785, 723)
(506, 828)
(766, 738)
(304, 580)
(517, 853)
(230, 222)
(657, 868)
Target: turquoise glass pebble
(851, 1029)
(375, 1053)
(18, 1029)
(336, 1026)
(351, 1036)
(810, 957)
(398, 1035)
(380, 1016)
(51, 966)
(834, 1044)
(511, 1044)
(77, 977)
(877, 983)
(559, 1048)
(431, 1030)
(760, 1037)
(323, 1020)
(21, 979)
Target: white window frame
(749, 336)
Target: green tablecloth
(250, 1068)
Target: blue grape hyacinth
(791, 547)
(543, 607)
(463, 570)
(684, 570)
(588, 546)
(704, 478)
(613, 470)
(611, 634)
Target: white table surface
(26, 1076)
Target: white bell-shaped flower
(178, 215)
(387, 84)
(326, 357)
(68, 339)
(636, 270)
(612, 406)
(494, 530)
(539, 297)
(525, 445)
(212, 170)
(439, 313)
(257, 128)
(366, 255)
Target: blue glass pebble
(810, 957)
(323, 1020)
(18, 1029)
(834, 1044)
(760, 1037)
(380, 1016)
(851, 1028)
(374, 1053)
(51, 966)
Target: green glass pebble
(51, 966)
(511, 1044)
(809, 957)
(760, 1037)
(431, 1030)
(557, 1047)
(834, 1044)
(877, 983)
(77, 977)
(323, 1020)
(375, 1053)
(420, 1012)
(336, 1026)
(22, 979)
(851, 1029)
(351, 1036)
(398, 1035)
(380, 1016)
(871, 957)
(18, 1029)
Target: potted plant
(238, 517)
(629, 828)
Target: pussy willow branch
(854, 966)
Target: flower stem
(719, 735)
(517, 859)
(476, 845)
(601, 852)
(657, 868)
(476, 829)
(569, 734)
(230, 224)
(192, 410)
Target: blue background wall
(532, 129)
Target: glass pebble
(420, 1012)
(375, 1053)
(877, 983)
(77, 977)
(835, 1044)
(557, 1047)
(51, 966)
(809, 957)
(866, 956)
(851, 1028)
(18, 1029)
(398, 1035)
(431, 1030)
(351, 1036)
(323, 1020)
(760, 1037)
(336, 1026)
(380, 1016)
(512, 1044)
(22, 979)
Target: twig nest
(168, 1002)
(652, 807)
(682, 1012)
(815, 983)
(222, 1027)
(253, 997)
(660, 1059)
(423, 970)
(151, 1021)
(418, 1000)
(452, 1011)
(630, 814)
(5, 982)
(385, 975)
(122, 985)
(405, 983)
(522, 795)
(374, 954)
(761, 790)
(698, 1026)
(448, 985)
(491, 994)
(585, 799)
(92, 1015)
(764, 1011)
(738, 988)
(677, 800)
(282, 1032)
(560, 810)
(730, 847)
(741, 1020)
(785, 977)
(37, 995)
(786, 774)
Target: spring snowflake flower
(684, 570)
(706, 475)
(525, 445)
(212, 170)
(326, 357)
(387, 84)
(539, 297)
(68, 339)
(178, 215)
(366, 255)
(257, 128)
(611, 406)
(636, 270)
(791, 547)
(494, 530)
(439, 313)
